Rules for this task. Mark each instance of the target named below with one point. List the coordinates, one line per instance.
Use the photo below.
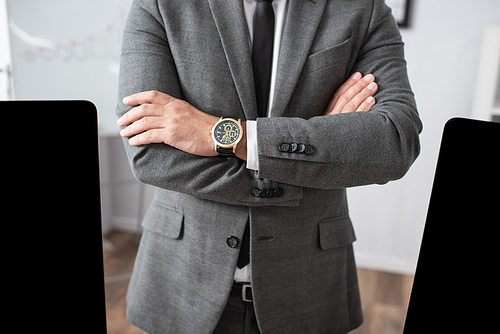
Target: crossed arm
(161, 118)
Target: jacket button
(269, 193)
(301, 148)
(284, 147)
(278, 192)
(232, 242)
(256, 192)
(309, 150)
(293, 147)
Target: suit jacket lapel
(231, 23)
(301, 23)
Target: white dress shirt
(280, 9)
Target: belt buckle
(246, 293)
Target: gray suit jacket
(303, 270)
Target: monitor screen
(54, 266)
(456, 284)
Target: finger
(357, 101)
(151, 97)
(135, 114)
(342, 89)
(142, 125)
(367, 105)
(352, 92)
(148, 137)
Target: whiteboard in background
(68, 49)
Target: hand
(161, 118)
(356, 94)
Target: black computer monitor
(456, 284)
(53, 268)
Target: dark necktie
(262, 62)
(262, 53)
(244, 257)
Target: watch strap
(226, 152)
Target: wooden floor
(118, 264)
(384, 295)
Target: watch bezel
(218, 144)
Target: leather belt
(243, 290)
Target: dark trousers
(238, 317)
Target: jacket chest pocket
(336, 56)
(336, 232)
(323, 73)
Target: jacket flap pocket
(164, 221)
(336, 232)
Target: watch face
(227, 132)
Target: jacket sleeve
(147, 64)
(355, 148)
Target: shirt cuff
(252, 149)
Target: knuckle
(360, 85)
(143, 108)
(350, 107)
(343, 99)
(336, 96)
(153, 93)
(144, 138)
(138, 111)
(363, 107)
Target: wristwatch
(226, 134)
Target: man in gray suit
(185, 64)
